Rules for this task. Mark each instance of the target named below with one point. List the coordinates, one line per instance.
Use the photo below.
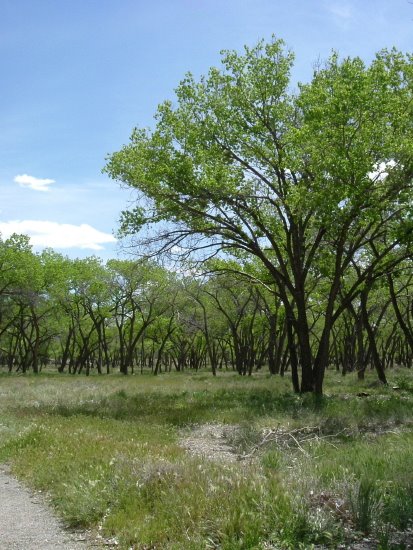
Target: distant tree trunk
(371, 336)
(293, 357)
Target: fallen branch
(282, 437)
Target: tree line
(82, 316)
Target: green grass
(106, 450)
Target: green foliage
(314, 186)
(365, 502)
(397, 504)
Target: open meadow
(191, 461)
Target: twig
(298, 445)
(276, 434)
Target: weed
(398, 505)
(365, 504)
(272, 459)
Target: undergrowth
(106, 450)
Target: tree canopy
(313, 183)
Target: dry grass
(107, 449)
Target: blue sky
(78, 75)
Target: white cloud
(58, 235)
(37, 184)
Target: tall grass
(107, 450)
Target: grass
(106, 450)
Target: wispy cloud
(58, 235)
(37, 184)
(340, 11)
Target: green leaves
(313, 185)
(237, 143)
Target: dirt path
(26, 523)
(210, 441)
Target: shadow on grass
(183, 408)
(235, 405)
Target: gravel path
(210, 441)
(26, 523)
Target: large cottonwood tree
(314, 183)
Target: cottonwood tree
(91, 286)
(25, 311)
(305, 181)
(138, 290)
(231, 306)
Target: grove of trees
(79, 316)
(305, 193)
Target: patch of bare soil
(398, 541)
(210, 441)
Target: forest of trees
(78, 316)
(293, 213)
